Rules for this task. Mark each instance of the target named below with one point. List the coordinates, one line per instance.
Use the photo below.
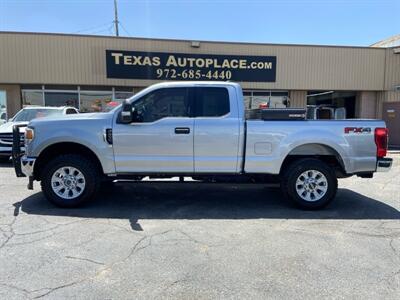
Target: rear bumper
(384, 164)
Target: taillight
(381, 141)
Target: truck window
(211, 102)
(162, 103)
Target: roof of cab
(195, 83)
(46, 107)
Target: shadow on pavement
(138, 201)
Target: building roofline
(382, 43)
(185, 40)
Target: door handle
(182, 130)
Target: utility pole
(116, 18)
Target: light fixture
(195, 44)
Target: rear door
(216, 130)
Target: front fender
(93, 140)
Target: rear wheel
(70, 180)
(309, 183)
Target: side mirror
(126, 114)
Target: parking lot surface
(192, 240)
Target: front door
(160, 140)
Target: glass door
(3, 107)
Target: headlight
(29, 135)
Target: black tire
(86, 166)
(294, 172)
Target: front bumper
(16, 152)
(384, 164)
(7, 151)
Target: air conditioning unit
(396, 50)
(397, 88)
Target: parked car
(198, 129)
(24, 116)
(3, 115)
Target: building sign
(183, 66)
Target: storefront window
(3, 107)
(95, 101)
(61, 99)
(247, 100)
(122, 95)
(32, 97)
(259, 99)
(272, 99)
(332, 104)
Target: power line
(123, 27)
(93, 28)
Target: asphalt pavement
(203, 241)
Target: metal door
(391, 115)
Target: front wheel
(309, 183)
(70, 180)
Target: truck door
(160, 140)
(216, 130)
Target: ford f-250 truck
(197, 129)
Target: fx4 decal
(357, 130)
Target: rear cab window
(211, 102)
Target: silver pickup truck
(197, 130)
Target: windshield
(27, 115)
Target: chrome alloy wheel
(311, 185)
(68, 182)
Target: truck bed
(269, 142)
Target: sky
(325, 22)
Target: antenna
(116, 18)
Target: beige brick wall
(366, 105)
(298, 98)
(35, 58)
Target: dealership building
(94, 73)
